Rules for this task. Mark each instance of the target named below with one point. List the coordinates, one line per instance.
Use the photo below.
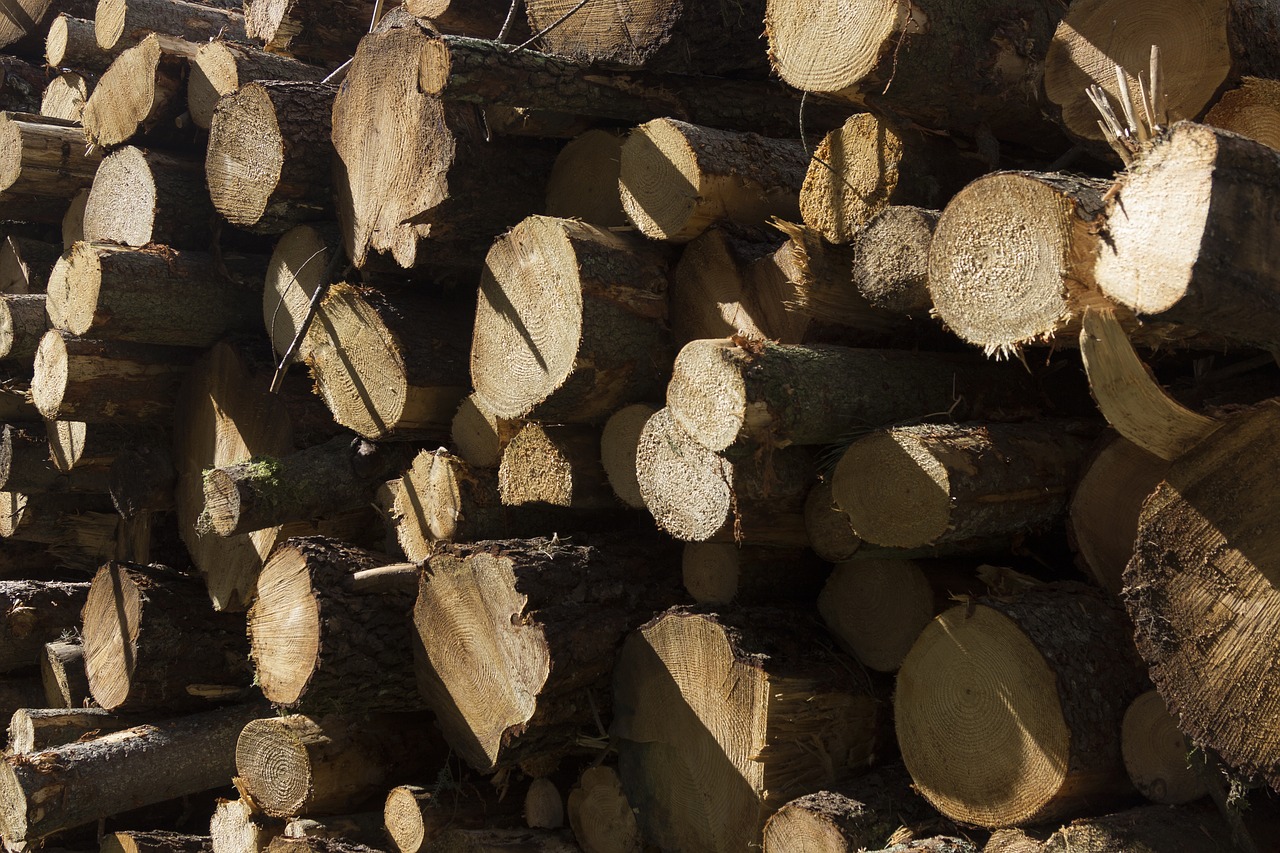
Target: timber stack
(474, 425)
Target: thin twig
(338, 73)
(1126, 102)
(566, 16)
(312, 307)
(509, 22)
(1157, 87)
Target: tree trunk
(514, 664)
(142, 197)
(322, 640)
(220, 68)
(584, 180)
(298, 765)
(964, 67)
(1249, 110)
(1052, 666)
(25, 264)
(26, 466)
(33, 613)
(322, 33)
(141, 91)
(931, 485)
(676, 178)
(78, 783)
(1156, 754)
(556, 465)
(723, 573)
(570, 323)
(156, 841)
(38, 729)
(23, 322)
(600, 815)
(795, 720)
(75, 444)
(152, 642)
(415, 816)
(270, 155)
(735, 394)
(21, 85)
(43, 157)
(619, 441)
(129, 22)
(72, 42)
(62, 672)
(66, 95)
(478, 436)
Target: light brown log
(1251, 109)
(1157, 755)
(62, 672)
(43, 157)
(27, 466)
(25, 264)
(415, 816)
(543, 805)
(129, 22)
(25, 21)
(601, 817)
(220, 68)
(477, 435)
(1053, 667)
(238, 826)
(557, 465)
(82, 782)
(33, 613)
(80, 529)
(479, 18)
(298, 765)
(66, 95)
(723, 573)
(38, 729)
(745, 760)
(72, 42)
(73, 220)
(141, 90)
(619, 441)
(298, 266)
(270, 154)
(569, 323)
(584, 180)
(76, 444)
(141, 196)
(325, 34)
(23, 321)
(155, 841)
(828, 527)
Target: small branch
(509, 22)
(566, 16)
(312, 307)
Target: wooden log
(415, 817)
(362, 828)
(723, 573)
(155, 841)
(33, 613)
(1251, 109)
(941, 66)
(26, 20)
(23, 322)
(66, 95)
(152, 642)
(619, 441)
(79, 783)
(1156, 754)
(828, 528)
(677, 178)
(38, 729)
(323, 639)
(43, 157)
(543, 805)
(569, 323)
(73, 220)
(140, 197)
(21, 85)
(62, 674)
(479, 18)
(584, 180)
(477, 435)
(130, 22)
(322, 34)
(600, 815)
(76, 444)
(19, 691)
(298, 765)
(816, 394)
(1052, 665)
(141, 91)
(80, 529)
(663, 693)
(219, 68)
(1142, 828)
(270, 154)
(937, 844)
(26, 466)
(430, 217)
(72, 42)
(927, 485)
(25, 264)
(507, 657)
(142, 481)
(556, 465)
(299, 265)
(238, 827)
(697, 495)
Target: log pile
(536, 426)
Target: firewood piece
(325, 34)
(62, 673)
(43, 157)
(677, 178)
(478, 435)
(697, 495)
(155, 841)
(619, 441)
(870, 163)
(132, 21)
(151, 641)
(721, 573)
(830, 532)
(72, 42)
(411, 191)
(73, 220)
(113, 381)
(569, 323)
(269, 155)
(557, 465)
(941, 66)
(102, 777)
(1205, 178)
(66, 95)
(219, 68)
(320, 642)
(666, 686)
(726, 394)
(140, 197)
(1156, 753)
(23, 322)
(38, 729)
(26, 466)
(1054, 666)
(238, 827)
(33, 613)
(543, 805)
(154, 295)
(917, 486)
(21, 85)
(141, 90)
(584, 180)
(299, 765)
(1251, 109)
(508, 657)
(25, 264)
(22, 20)
(601, 817)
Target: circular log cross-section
(600, 815)
(143, 87)
(66, 96)
(140, 197)
(297, 268)
(584, 180)
(25, 264)
(219, 68)
(1156, 754)
(557, 465)
(619, 441)
(478, 435)
(23, 322)
(72, 43)
(325, 33)
(1251, 109)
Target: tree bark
(723, 573)
(556, 465)
(155, 841)
(21, 85)
(72, 42)
(219, 68)
(26, 466)
(38, 729)
(828, 528)
(79, 783)
(478, 436)
(1052, 664)
(140, 92)
(33, 613)
(23, 322)
(62, 672)
(25, 264)
(584, 180)
(142, 197)
(570, 323)
(1156, 754)
(514, 664)
(43, 157)
(325, 34)
(270, 154)
(129, 22)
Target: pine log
(928, 485)
(415, 817)
(73, 220)
(677, 178)
(478, 18)
(72, 42)
(557, 465)
(702, 766)
(140, 197)
(941, 65)
(26, 465)
(1157, 755)
(78, 783)
(1251, 109)
(129, 22)
(152, 642)
(66, 96)
(387, 363)
(43, 157)
(219, 68)
(1053, 667)
(697, 495)
(298, 765)
(871, 163)
(299, 265)
(38, 729)
(411, 190)
(25, 264)
(478, 436)
(75, 444)
(321, 33)
(543, 805)
(829, 530)
(155, 841)
(270, 154)
(619, 441)
(1148, 828)
(514, 664)
(733, 393)
(238, 826)
(143, 90)
(33, 613)
(322, 640)
(23, 322)
(80, 529)
(723, 573)
(22, 20)
(62, 672)
(1205, 180)
(599, 814)
(21, 85)
(584, 180)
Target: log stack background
(529, 427)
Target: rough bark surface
(34, 613)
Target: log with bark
(142, 480)
(415, 816)
(478, 436)
(325, 35)
(26, 20)
(1051, 666)
(619, 441)
(130, 22)
(478, 18)
(557, 465)
(361, 828)
(723, 573)
(828, 527)
(600, 815)
(73, 220)
(1157, 755)
(141, 92)
(21, 85)
(238, 826)
(33, 613)
(43, 158)
(299, 265)
(142, 196)
(517, 640)
(584, 180)
(570, 323)
(1251, 109)
(155, 841)
(702, 766)
(270, 154)
(38, 729)
(219, 68)
(76, 444)
(66, 95)
(15, 401)
(1140, 829)
(66, 685)
(26, 465)
(23, 322)
(72, 42)
(81, 530)
(25, 264)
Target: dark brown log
(478, 436)
(75, 444)
(62, 672)
(71, 785)
(829, 529)
(1145, 828)
(722, 573)
(21, 85)
(152, 642)
(66, 96)
(33, 613)
(42, 157)
(129, 22)
(270, 154)
(361, 828)
(72, 42)
(556, 465)
(140, 197)
(220, 68)
(584, 180)
(155, 841)
(325, 33)
(323, 640)
(23, 322)
(514, 665)
(80, 529)
(238, 826)
(570, 323)
(142, 480)
(38, 729)
(27, 466)
(299, 765)
(25, 264)
(415, 816)
(1050, 666)
(142, 90)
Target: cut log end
(73, 289)
(479, 435)
(297, 268)
(600, 815)
(584, 180)
(1251, 109)
(685, 486)
(708, 382)
(1156, 754)
(286, 627)
(877, 609)
(124, 175)
(246, 154)
(402, 815)
(109, 21)
(894, 489)
(113, 615)
(51, 371)
(214, 73)
(125, 95)
(618, 443)
(811, 46)
(273, 754)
